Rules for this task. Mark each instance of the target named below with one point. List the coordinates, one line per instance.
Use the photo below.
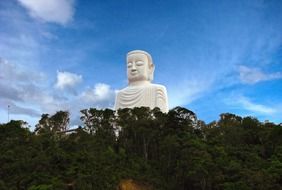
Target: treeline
(172, 151)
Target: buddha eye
(139, 63)
(129, 64)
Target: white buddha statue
(140, 91)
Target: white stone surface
(140, 91)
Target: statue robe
(152, 95)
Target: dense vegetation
(171, 151)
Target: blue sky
(213, 56)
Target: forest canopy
(158, 150)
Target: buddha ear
(151, 71)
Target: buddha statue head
(140, 67)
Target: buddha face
(138, 67)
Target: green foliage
(41, 187)
(166, 151)
(55, 123)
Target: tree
(167, 151)
(54, 123)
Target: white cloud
(100, 92)
(15, 109)
(12, 73)
(58, 11)
(67, 80)
(29, 97)
(100, 96)
(27, 49)
(255, 75)
(18, 109)
(16, 82)
(20, 86)
(186, 92)
(247, 104)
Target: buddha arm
(162, 101)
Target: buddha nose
(133, 68)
